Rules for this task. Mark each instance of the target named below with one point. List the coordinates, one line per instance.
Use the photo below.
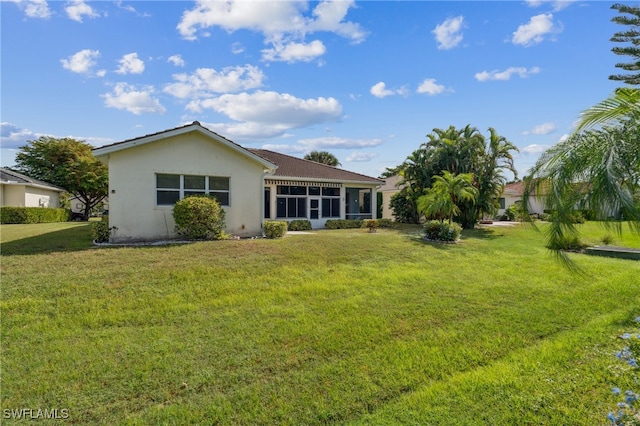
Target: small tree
(69, 164)
(199, 218)
(446, 194)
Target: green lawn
(337, 327)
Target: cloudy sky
(366, 80)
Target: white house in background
(18, 190)
(512, 194)
(147, 175)
(389, 189)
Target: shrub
(101, 230)
(372, 224)
(385, 223)
(404, 207)
(300, 225)
(607, 239)
(199, 218)
(344, 223)
(275, 228)
(546, 217)
(16, 215)
(442, 231)
(515, 212)
(568, 242)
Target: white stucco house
(390, 188)
(148, 174)
(18, 190)
(512, 194)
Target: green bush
(442, 231)
(344, 223)
(571, 243)
(275, 228)
(515, 212)
(33, 215)
(300, 225)
(101, 230)
(385, 223)
(199, 218)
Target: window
(331, 207)
(358, 203)
(291, 207)
(501, 201)
(171, 188)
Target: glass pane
(314, 214)
(194, 182)
(218, 183)
(283, 190)
(314, 190)
(298, 190)
(365, 201)
(168, 181)
(326, 207)
(222, 197)
(291, 207)
(302, 207)
(281, 207)
(314, 204)
(168, 198)
(192, 193)
(335, 207)
(267, 203)
(331, 192)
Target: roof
(176, 131)
(9, 177)
(293, 167)
(515, 188)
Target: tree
(460, 151)
(630, 36)
(69, 164)
(446, 195)
(323, 157)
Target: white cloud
(282, 23)
(534, 149)
(535, 30)
(556, 5)
(76, 9)
(130, 64)
(541, 129)
(449, 33)
(379, 90)
(13, 137)
(294, 52)
(338, 143)
(205, 82)
(521, 72)
(237, 48)
(176, 60)
(34, 8)
(361, 156)
(81, 62)
(127, 97)
(268, 114)
(430, 87)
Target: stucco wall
(387, 211)
(36, 197)
(13, 195)
(132, 186)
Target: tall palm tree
(597, 167)
(446, 194)
(323, 157)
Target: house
(148, 174)
(512, 194)
(18, 190)
(390, 188)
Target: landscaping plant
(199, 218)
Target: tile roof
(9, 176)
(289, 166)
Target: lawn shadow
(482, 233)
(66, 240)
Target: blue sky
(366, 80)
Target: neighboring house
(147, 175)
(512, 194)
(18, 190)
(389, 189)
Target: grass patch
(341, 326)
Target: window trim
(190, 191)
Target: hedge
(21, 215)
(275, 228)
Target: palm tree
(446, 194)
(323, 157)
(597, 167)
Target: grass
(338, 327)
